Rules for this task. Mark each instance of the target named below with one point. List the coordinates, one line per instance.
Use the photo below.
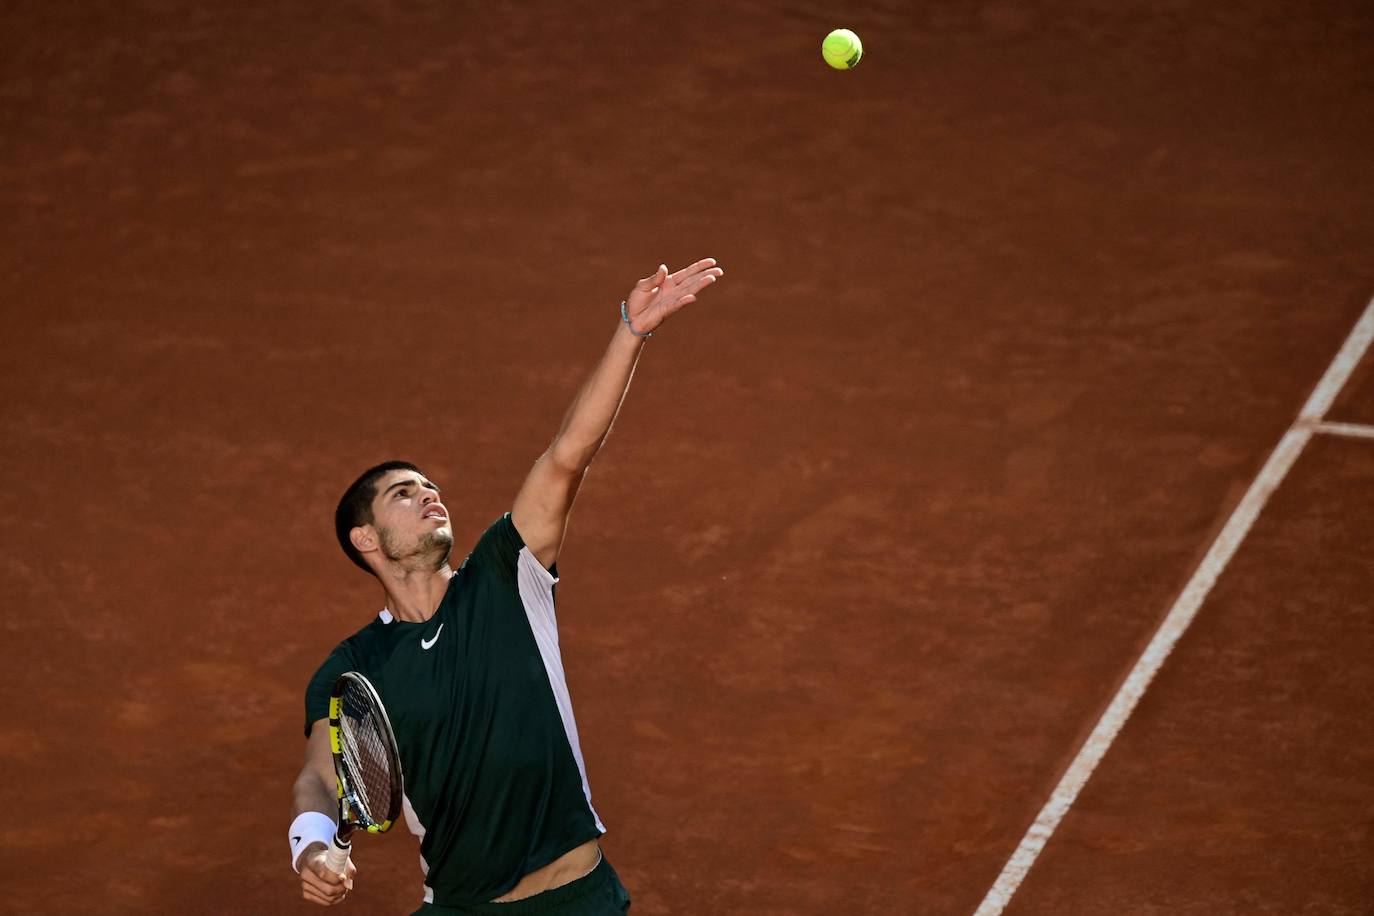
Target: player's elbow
(568, 458)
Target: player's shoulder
(501, 539)
(366, 637)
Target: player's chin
(439, 538)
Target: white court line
(1180, 616)
(1353, 430)
(1341, 367)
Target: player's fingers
(700, 279)
(314, 896)
(330, 895)
(312, 885)
(698, 283)
(321, 878)
(329, 877)
(691, 269)
(654, 279)
(712, 272)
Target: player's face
(411, 521)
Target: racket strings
(366, 757)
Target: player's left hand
(656, 297)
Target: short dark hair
(355, 508)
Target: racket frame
(337, 857)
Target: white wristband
(310, 827)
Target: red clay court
(1029, 351)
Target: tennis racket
(366, 764)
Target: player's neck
(414, 595)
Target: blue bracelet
(625, 317)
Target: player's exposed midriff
(566, 868)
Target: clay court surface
(1013, 315)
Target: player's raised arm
(542, 506)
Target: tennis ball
(842, 49)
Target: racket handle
(336, 860)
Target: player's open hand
(656, 297)
(318, 883)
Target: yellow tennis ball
(842, 49)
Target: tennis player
(467, 664)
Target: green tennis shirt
(495, 784)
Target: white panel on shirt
(536, 593)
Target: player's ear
(364, 538)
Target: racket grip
(336, 860)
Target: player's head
(392, 515)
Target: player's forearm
(311, 794)
(588, 421)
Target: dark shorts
(597, 893)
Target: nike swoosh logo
(295, 840)
(427, 643)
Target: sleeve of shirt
(501, 553)
(498, 550)
(321, 685)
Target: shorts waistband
(544, 900)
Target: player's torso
(467, 688)
(487, 758)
